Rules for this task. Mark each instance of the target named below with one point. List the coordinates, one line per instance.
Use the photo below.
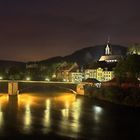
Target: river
(63, 115)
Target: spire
(108, 39)
(108, 49)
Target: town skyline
(70, 69)
(85, 50)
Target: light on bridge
(28, 78)
(47, 79)
(1, 77)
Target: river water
(64, 115)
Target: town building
(101, 74)
(108, 56)
(103, 70)
(135, 49)
(69, 72)
(76, 76)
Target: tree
(128, 68)
(15, 73)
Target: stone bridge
(13, 85)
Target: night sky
(40, 29)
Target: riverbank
(118, 95)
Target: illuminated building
(76, 76)
(108, 56)
(66, 71)
(134, 49)
(101, 74)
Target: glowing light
(65, 113)
(47, 79)
(48, 104)
(28, 78)
(46, 119)
(27, 118)
(97, 113)
(97, 109)
(54, 75)
(1, 116)
(25, 100)
(4, 99)
(3, 102)
(66, 97)
(64, 80)
(76, 115)
(1, 77)
(67, 104)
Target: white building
(76, 76)
(108, 55)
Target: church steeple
(108, 49)
(108, 40)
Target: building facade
(100, 74)
(76, 76)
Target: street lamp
(28, 78)
(1, 77)
(47, 79)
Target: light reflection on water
(3, 102)
(97, 113)
(1, 117)
(47, 120)
(43, 114)
(27, 118)
(76, 115)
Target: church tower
(108, 49)
(108, 56)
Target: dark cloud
(39, 29)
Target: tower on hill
(108, 50)
(108, 56)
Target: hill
(7, 64)
(84, 56)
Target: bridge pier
(13, 88)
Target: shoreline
(117, 95)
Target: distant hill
(52, 60)
(82, 56)
(88, 54)
(8, 64)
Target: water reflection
(97, 113)
(76, 112)
(62, 114)
(1, 117)
(70, 120)
(65, 111)
(48, 104)
(47, 119)
(27, 118)
(76, 109)
(24, 102)
(3, 101)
